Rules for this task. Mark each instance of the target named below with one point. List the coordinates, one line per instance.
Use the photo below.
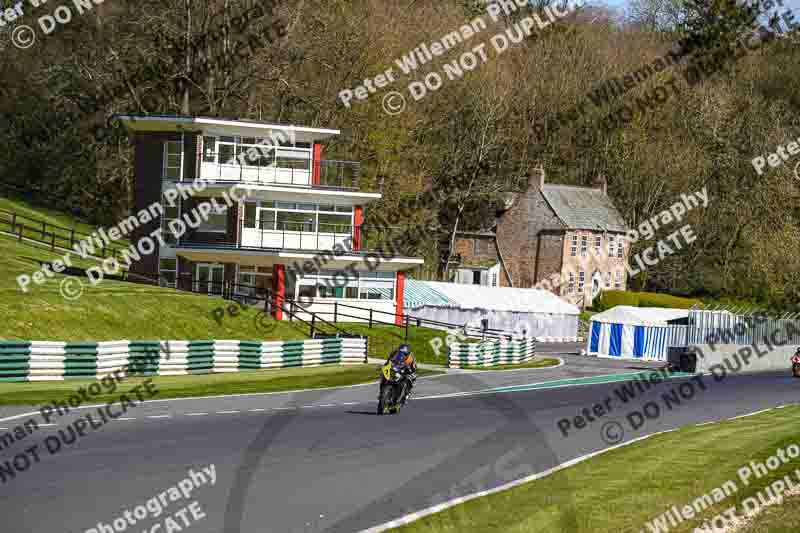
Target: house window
(574, 249)
(584, 246)
(171, 212)
(619, 279)
(217, 221)
(173, 160)
(598, 244)
(621, 249)
(608, 280)
(571, 287)
(611, 245)
(494, 279)
(581, 281)
(483, 247)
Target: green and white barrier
(51, 361)
(491, 353)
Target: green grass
(622, 490)
(256, 381)
(781, 518)
(539, 363)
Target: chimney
(537, 178)
(601, 183)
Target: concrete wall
(742, 359)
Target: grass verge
(623, 490)
(539, 363)
(257, 381)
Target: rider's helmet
(404, 349)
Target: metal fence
(724, 327)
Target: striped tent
(636, 332)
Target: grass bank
(257, 381)
(623, 490)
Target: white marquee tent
(637, 332)
(532, 312)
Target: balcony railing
(274, 170)
(303, 236)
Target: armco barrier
(491, 353)
(51, 361)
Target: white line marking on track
(126, 419)
(327, 405)
(707, 423)
(750, 414)
(256, 410)
(228, 412)
(4, 429)
(196, 414)
(283, 408)
(158, 416)
(352, 403)
(47, 425)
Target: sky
(794, 5)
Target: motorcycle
(395, 385)
(796, 364)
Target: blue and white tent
(636, 332)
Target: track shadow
(373, 413)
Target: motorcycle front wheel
(385, 400)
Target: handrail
(73, 237)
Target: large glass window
(168, 272)
(171, 212)
(343, 285)
(217, 221)
(299, 217)
(255, 152)
(173, 160)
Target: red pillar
(358, 218)
(317, 169)
(401, 289)
(278, 290)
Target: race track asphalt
(318, 461)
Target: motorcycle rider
(404, 359)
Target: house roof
(583, 208)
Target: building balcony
(273, 170)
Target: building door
(209, 278)
(476, 277)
